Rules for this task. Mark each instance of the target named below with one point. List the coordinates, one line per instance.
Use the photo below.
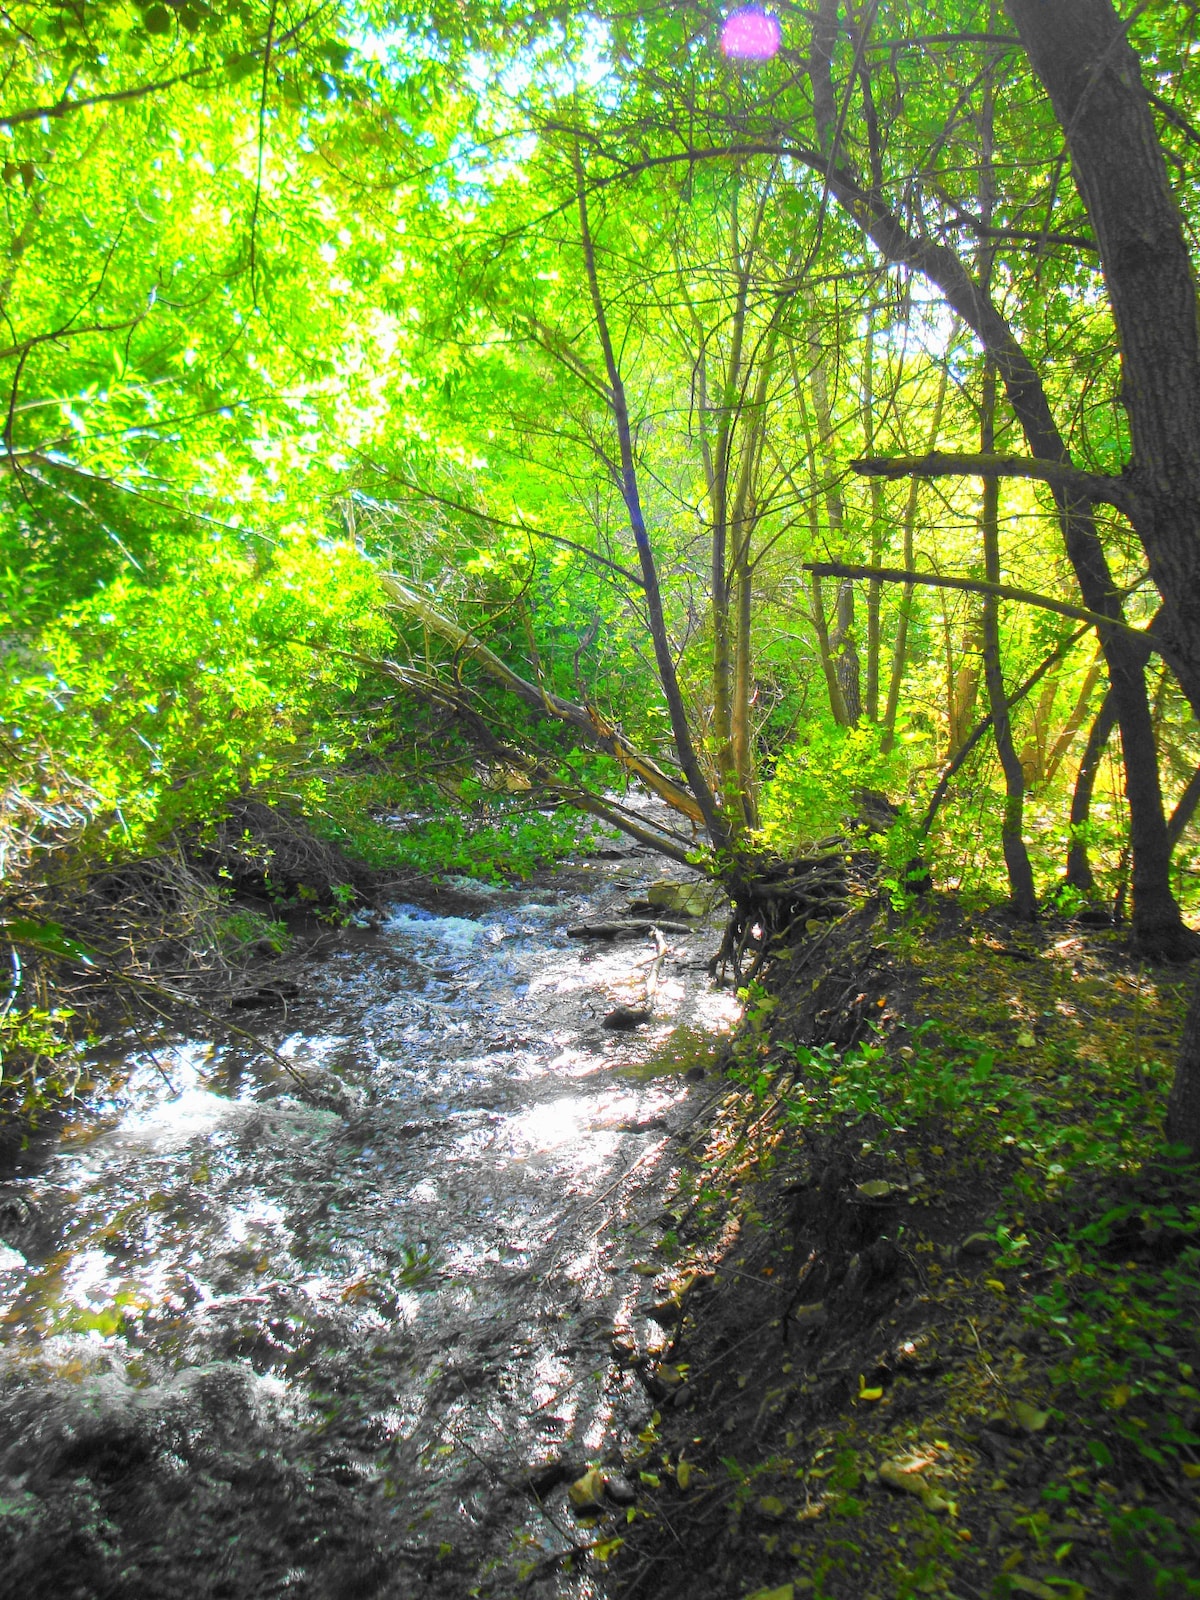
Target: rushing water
(307, 1334)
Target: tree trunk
(1079, 868)
(1033, 751)
(1183, 1105)
(842, 641)
(1081, 52)
(1016, 857)
(904, 616)
(1185, 809)
(1074, 722)
(837, 704)
(685, 749)
(874, 588)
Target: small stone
(619, 1490)
(624, 1019)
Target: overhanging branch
(1003, 591)
(1096, 486)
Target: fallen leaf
(683, 1474)
(864, 1393)
(1029, 1417)
(1040, 1591)
(875, 1189)
(587, 1491)
(900, 1475)
(607, 1547)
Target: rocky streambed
(345, 1327)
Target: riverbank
(937, 1287)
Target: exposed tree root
(774, 903)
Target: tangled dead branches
(775, 903)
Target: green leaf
(48, 936)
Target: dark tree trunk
(1185, 809)
(1081, 52)
(1079, 869)
(1023, 895)
(1183, 1106)
(1077, 42)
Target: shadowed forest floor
(935, 1289)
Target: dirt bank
(930, 1298)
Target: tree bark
(1079, 867)
(1016, 858)
(842, 642)
(1183, 1104)
(1080, 50)
(1066, 735)
(904, 615)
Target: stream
(308, 1333)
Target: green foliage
(240, 931)
(41, 1058)
(812, 791)
(388, 822)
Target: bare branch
(1096, 486)
(1003, 591)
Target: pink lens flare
(750, 35)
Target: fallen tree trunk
(584, 719)
(772, 900)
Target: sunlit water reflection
(306, 1335)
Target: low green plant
(386, 823)
(240, 930)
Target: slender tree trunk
(714, 820)
(837, 704)
(1185, 809)
(875, 587)
(1016, 857)
(1033, 751)
(1074, 722)
(842, 642)
(1183, 1104)
(743, 523)
(904, 616)
(828, 665)
(1079, 868)
(964, 685)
